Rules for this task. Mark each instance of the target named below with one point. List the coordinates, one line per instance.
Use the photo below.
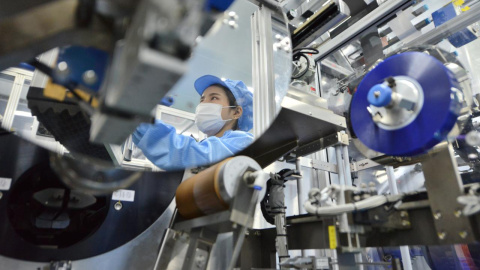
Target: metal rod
(346, 162)
(298, 168)
(341, 169)
(404, 250)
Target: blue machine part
(380, 95)
(220, 5)
(167, 101)
(436, 118)
(459, 38)
(81, 59)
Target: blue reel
(438, 115)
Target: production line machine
(365, 153)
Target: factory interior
(239, 134)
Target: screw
(458, 213)
(257, 233)
(1, 195)
(463, 234)
(118, 206)
(403, 214)
(89, 77)
(437, 215)
(371, 184)
(442, 235)
(62, 66)
(376, 217)
(405, 223)
(376, 94)
(363, 185)
(234, 225)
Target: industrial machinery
(366, 151)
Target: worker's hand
(139, 132)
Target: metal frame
(262, 71)
(20, 76)
(377, 16)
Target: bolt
(403, 214)
(62, 70)
(118, 206)
(442, 235)
(257, 233)
(234, 225)
(376, 94)
(278, 37)
(363, 185)
(371, 184)
(1, 195)
(405, 223)
(463, 234)
(386, 208)
(437, 215)
(356, 198)
(89, 77)
(62, 66)
(458, 213)
(376, 217)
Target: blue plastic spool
(436, 118)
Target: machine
(366, 151)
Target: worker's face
(215, 94)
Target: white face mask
(208, 118)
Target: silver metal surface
(395, 116)
(366, 22)
(314, 112)
(271, 69)
(363, 165)
(444, 185)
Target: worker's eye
(214, 98)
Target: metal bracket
(444, 185)
(363, 165)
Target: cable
(299, 53)
(368, 203)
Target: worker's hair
(232, 101)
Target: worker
(224, 115)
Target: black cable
(299, 53)
(305, 70)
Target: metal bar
(262, 70)
(404, 250)
(341, 171)
(448, 28)
(376, 16)
(13, 102)
(346, 166)
(363, 165)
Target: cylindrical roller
(211, 190)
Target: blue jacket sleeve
(171, 151)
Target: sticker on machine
(124, 195)
(5, 183)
